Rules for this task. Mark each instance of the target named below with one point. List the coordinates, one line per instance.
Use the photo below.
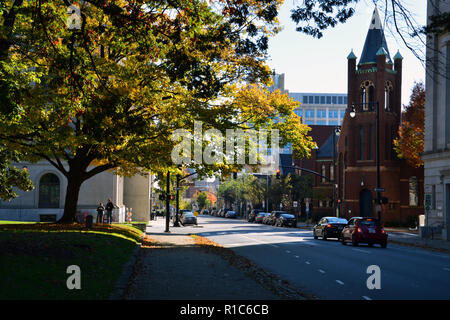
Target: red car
(364, 230)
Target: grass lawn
(35, 257)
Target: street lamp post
(336, 133)
(167, 202)
(377, 146)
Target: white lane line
(446, 269)
(340, 282)
(297, 257)
(360, 250)
(263, 242)
(366, 298)
(287, 251)
(320, 270)
(307, 262)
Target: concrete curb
(122, 283)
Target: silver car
(188, 218)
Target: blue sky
(320, 65)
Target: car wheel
(354, 242)
(324, 237)
(384, 244)
(314, 234)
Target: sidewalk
(403, 236)
(174, 266)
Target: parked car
(261, 215)
(182, 212)
(223, 212)
(253, 214)
(329, 227)
(364, 230)
(188, 218)
(286, 220)
(214, 212)
(231, 214)
(205, 211)
(274, 216)
(267, 219)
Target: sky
(320, 65)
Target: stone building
(436, 154)
(375, 83)
(46, 201)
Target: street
(327, 269)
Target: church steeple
(375, 40)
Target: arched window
(49, 190)
(388, 92)
(324, 173)
(367, 95)
(413, 192)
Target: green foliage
(11, 176)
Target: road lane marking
(320, 270)
(340, 282)
(359, 250)
(366, 298)
(263, 242)
(287, 251)
(307, 262)
(297, 257)
(446, 269)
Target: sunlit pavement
(328, 269)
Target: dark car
(329, 227)
(205, 211)
(364, 230)
(261, 215)
(188, 218)
(253, 214)
(231, 214)
(286, 220)
(274, 216)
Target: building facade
(436, 154)
(46, 201)
(375, 83)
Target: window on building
(341, 100)
(334, 100)
(367, 95)
(322, 99)
(317, 99)
(311, 100)
(321, 113)
(323, 172)
(49, 191)
(342, 113)
(332, 114)
(305, 99)
(361, 143)
(328, 99)
(413, 192)
(388, 91)
(321, 122)
(309, 113)
(333, 122)
(370, 142)
(331, 172)
(345, 100)
(309, 122)
(299, 112)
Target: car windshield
(337, 220)
(369, 222)
(188, 214)
(287, 216)
(231, 212)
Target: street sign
(295, 204)
(379, 190)
(196, 213)
(179, 188)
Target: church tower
(374, 82)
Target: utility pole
(167, 202)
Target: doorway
(365, 203)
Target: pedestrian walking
(100, 211)
(109, 209)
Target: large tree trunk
(72, 193)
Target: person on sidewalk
(109, 209)
(100, 211)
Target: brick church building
(375, 83)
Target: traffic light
(339, 201)
(278, 174)
(172, 197)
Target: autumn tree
(410, 143)
(109, 95)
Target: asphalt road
(329, 270)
